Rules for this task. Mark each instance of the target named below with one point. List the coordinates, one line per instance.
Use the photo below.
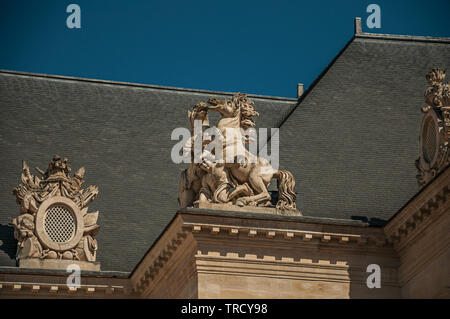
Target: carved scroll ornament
(434, 152)
(54, 222)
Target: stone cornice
(285, 268)
(423, 209)
(282, 228)
(37, 288)
(61, 272)
(158, 256)
(44, 284)
(283, 234)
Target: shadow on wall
(8, 244)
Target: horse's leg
(205, 193)
(240, 190)
(262, 195)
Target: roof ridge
(366, 35)
(316, 81)
(140, 85)
(402, 37)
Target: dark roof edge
(314, 83)
(60, 272)
(268, 216)
(413, 38)
(139, 85)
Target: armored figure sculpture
(231, 174)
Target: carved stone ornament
(240, 185)
(54, 222)
(434, 152)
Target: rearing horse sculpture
(256, 171)
(244, 180)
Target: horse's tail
(286, 193)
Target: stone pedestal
(247, 209)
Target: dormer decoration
(434, 153)
(54, 223)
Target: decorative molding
(282, 269)
(61, 289)
(313, 237)
(158, 260)
(287, 268)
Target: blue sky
(257, 47)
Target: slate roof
(350, 140)
(121, 133)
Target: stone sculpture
(242, 182)
(54, 222)
(434, 152)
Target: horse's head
(227, 108)
(239, 106)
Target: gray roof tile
(352, 140)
